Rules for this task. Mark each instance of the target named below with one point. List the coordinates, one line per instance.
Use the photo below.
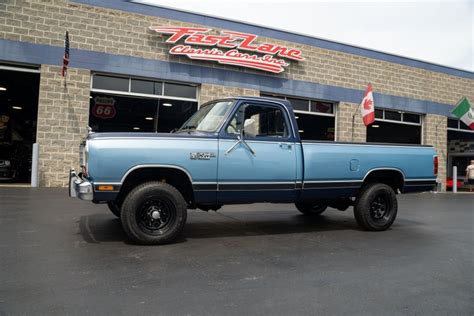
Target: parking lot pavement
(64, 256)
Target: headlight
(7, 163)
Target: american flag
(66, 54)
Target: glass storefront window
(379, 114)
(315, 127)
(388, 132)
(143, 86)
(110, 83)
(299, 104)
(452, 123)
(393, 116)
(146, 87)
(321, 107)
(112, 113)
(316, 120)
(180, 90)
(411, 118)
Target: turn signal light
(435, 160)
(105, 188)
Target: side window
(260, 120)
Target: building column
(211, 92)
(435, 133)
(346, 132)
(63, 116)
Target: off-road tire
(114, 208)
(310, 209)
(376, 207)
(140, 226)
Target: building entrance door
(19, 91)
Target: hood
(194, 134)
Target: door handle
(285, 146)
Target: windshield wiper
(187, 128)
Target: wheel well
(392, 178)
(175, 177)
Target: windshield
(208, 118)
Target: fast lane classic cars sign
(238, 49)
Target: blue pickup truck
(237, 151)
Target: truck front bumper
(79, 187)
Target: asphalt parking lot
(64, 256)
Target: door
(257, 155)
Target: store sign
(265, 56)
(104, 108)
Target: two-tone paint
(283, 169)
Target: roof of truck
(253, 98)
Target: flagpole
(358, 109)
(353, 121)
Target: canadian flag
(367, 106)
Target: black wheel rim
(380, 208)
(318, 208)
(156, 215)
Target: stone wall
(63, 116)
(349, 124)
(210, 92)
(436, 134)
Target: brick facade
(63, 113)
(210, 92)
(63, 116)
(349, 124)
(435, 134)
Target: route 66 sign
(104, 108)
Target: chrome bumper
(80, 187)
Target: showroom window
(393, 126)
(460, 147)
(125, 104)
(316, 119)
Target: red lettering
(178, 32)
(294, 54)
(247, 40)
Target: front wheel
(153, 213)
(310, 208)
(376, 207)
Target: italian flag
(464, 112)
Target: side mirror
(249, 128)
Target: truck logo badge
(201, 156)
(269, 57)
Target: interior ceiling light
(17, 107)
(167, 104)
(2, 88)
(375, 126)
(136, 128)
(149, 118)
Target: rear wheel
(376, 207)
(153, 213)
(114, 208)
(310, 208)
